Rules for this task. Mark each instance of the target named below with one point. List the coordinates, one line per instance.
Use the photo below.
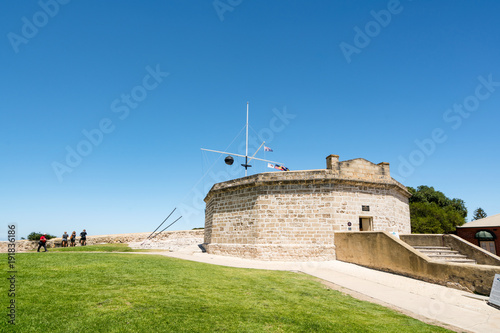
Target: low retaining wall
(382, 251)
(282, 252)
(456, 243)
(26, 245)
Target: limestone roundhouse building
(294, 215)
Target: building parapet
(358, 172)
(309, 177)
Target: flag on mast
(267, 149)
(277, 166)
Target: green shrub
(34, 236)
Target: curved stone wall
(294, 215)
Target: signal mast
(229, 159)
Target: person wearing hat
(42, 242)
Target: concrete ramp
(385, 252)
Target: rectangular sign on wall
(495, 292)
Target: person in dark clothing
(42, 242)
(83, 238)
(72, 239)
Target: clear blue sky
(363, 79)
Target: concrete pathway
(431, 303)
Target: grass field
(113, 292)
(99, 248)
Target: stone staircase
(444, 254)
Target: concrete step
(444, 254)
(439, 252)
(458, 261)
(433, 247)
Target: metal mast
(246, 148)
(247, 159)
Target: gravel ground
(188, 244)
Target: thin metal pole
(246, 146)
(163, 221)
(257, 150)
(250, 158)
(159, 225)
(166, 227)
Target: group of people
(72, 239)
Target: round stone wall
(294, 215)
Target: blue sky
(136, 88)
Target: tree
(37, 235)
(479, 214)
(432, 212)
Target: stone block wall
(294, 215)
(359, 169)
(236, 217)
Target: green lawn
(112, 292)
(99, 248)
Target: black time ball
(229, 160)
